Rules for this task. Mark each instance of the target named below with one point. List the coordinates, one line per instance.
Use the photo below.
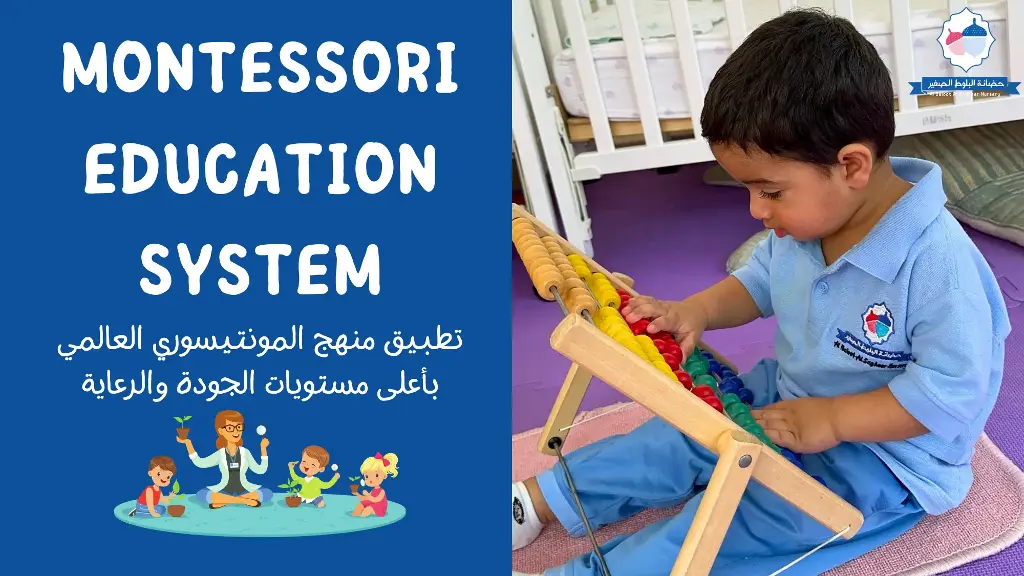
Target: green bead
(706, 380)
(744, 420)
(730, 399)
(736, 410)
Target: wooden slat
(639, 74)
(903, 48)
(592, 94)
(690, 67)
(737, 22)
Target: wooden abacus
(555, 269)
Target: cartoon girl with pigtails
(375, 469)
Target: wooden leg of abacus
(738, 453)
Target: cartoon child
(375, 469)
(151, 501)
(314, 461)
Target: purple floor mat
(672, 234)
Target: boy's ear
(856, 162)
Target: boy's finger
(687, 345)
(643, 310)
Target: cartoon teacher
(234, 461)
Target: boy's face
(791, 197)
(309, 465)
(160, 476)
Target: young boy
(314, 461)
(889, 351)
(152, 502)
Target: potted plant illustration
(355, 487)
(182, 430)
(292, 499)
(176, 510)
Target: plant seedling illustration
(182, 429)
(292, 499)
(354, 486)
(176, 510)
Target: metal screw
(745, 460)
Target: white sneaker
(525, 524)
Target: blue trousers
(263, 494)
(656, 466)
(143, 510)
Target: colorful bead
(746, 396)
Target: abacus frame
(741, 456)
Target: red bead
(641, 326)
(622, 293)
(663, 336)
(684, 379)
(660, 346)
(704, 392)
(671, 359)
(714, 403)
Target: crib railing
(560, 18)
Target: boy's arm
(742, 297)
(945, 386)
(295, 476)
(329, 483)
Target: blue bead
(727, 373)
(707, 354)
(730, 387)
(789, 454)
(714, 366)
(746, 396)
(820, 479)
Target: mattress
(711, 36)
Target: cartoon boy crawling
(152, 502)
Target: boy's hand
(292, 464)
(685, 320)
(264, 443)
(337, 475)
(803, 425)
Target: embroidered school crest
(877, 323)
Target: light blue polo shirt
(913, 306)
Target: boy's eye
(770, 195)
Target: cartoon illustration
(375, 469)
(304, 505)
(234, 461)
(152, 502)
(182, 429)
(314, 461)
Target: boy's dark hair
(802, 86)
(164, 463)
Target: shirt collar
(884, 250)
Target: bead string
(816, 548)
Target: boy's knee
(265, 494)
(203, 494)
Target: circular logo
(878, 323)
(966, 39)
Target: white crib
(602, 87)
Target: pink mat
(989, 520)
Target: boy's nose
(759, 208)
